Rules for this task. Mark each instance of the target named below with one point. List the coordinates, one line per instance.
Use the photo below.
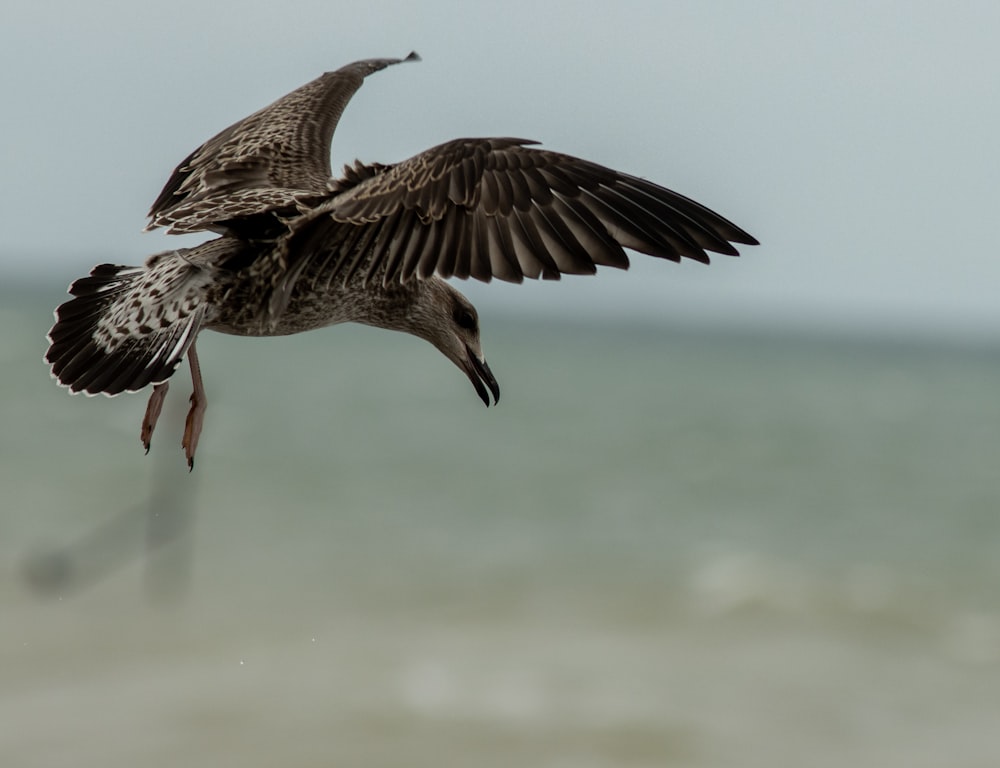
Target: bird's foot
(192, 427)
(153, 409)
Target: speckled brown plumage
(274, 161)
(300, 250)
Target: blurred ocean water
(663, 548)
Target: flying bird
(298, 249)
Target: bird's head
(447, 319)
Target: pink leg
(196, 416)
(153, 413)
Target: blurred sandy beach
(663, 548)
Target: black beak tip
(484, 393)
(495, 390)
(482, 378)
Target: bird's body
(235, 298)
(311, 307)
(299, 250)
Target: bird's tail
(127, 327)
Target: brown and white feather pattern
(277, 159)
(128, 327)
(167, 294)
(492, 208)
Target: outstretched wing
(268, 161)
(486, 208)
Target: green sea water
(663, 548)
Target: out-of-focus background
(743, 515)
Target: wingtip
(413, 56)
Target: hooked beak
(481, 376)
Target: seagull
(297, 249)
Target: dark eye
(465, 319)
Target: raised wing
(486, 208)
(272, 160)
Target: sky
(858, 141)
